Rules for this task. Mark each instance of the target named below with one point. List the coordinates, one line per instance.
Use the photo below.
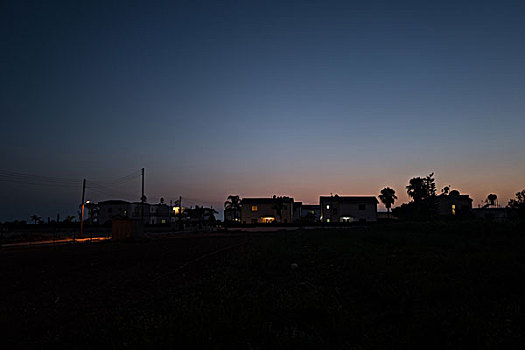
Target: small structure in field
(123, 228)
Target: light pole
(82, 218)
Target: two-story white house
(348, 208)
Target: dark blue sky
(301, 98)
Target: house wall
(463, 205)
(264, 209)
(311, 209)
(159, 214)
(107, 211)
(352, 209)
(153, 214)
(339, 209)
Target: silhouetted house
(491, 213)
(348, 208)
(454, 204)
(159, 214)
(107, 210)
(311, 212)
(267, 210)
(154, 214)
(297, 210)
(383, 215)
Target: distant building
(454, 204)
(348, 208)
(108, 210)
(311, 212)
(297, 210)
(159, 214)
(267, 210)
(384, 215)
(491, 213)
(154, 214)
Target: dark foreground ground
(432, 286)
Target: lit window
(328, 207)
(453, 209)
(254, 208)
(327, 220)
(267, 220)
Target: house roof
(454, 197)
(349, 199)
(114, 202)
(264, 200)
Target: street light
(82, 218)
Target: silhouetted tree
(430, 185)
(519, 203)
(161, 200)
(445, 190)
(388, 197)
(233, 203)
(491, 199)
(35, 218)
(416, 189)
(201, 214)
(210, 215)
(420, 188)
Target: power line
(10, 176)
(124, 179)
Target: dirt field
(52, 294)
(421, 285)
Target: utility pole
(169, 212)
(180, 212)
(82, 210)
(142, 198)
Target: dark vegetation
(432, 285)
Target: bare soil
(49, 294)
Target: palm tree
(491, 199)
(416, 189)
(233, 204)
(35, 218)
(388, 197)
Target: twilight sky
(256, 98)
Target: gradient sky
(256, 98)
